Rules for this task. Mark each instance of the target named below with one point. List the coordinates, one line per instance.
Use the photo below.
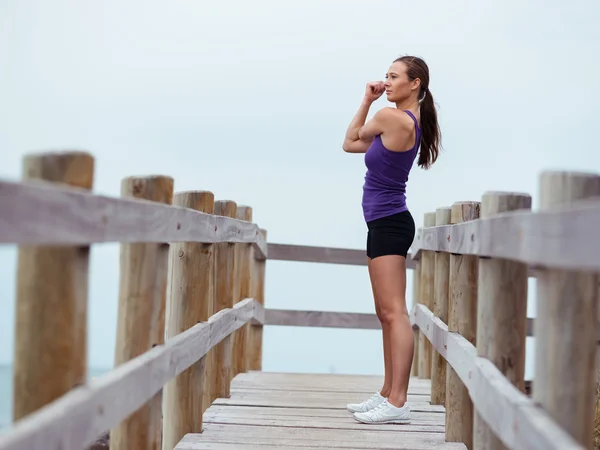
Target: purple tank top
(384, 190)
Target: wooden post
(244, 268)
(224, 283)
(50, 356)
(141, 313)
(416, 332)
(462, 319)
(565, 326)
(501, 312)
(440, 309)
(189, 297)
(256, 331)
(426, 298)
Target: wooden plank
(37, 212)
(333, 423)
(218, 411)
(358, 390)
(510, 414)
(308, 395)
(316, 437)
(326, 424)
(328, 255)
(186, 445)
(284, 317)
(299, 402)
(563, 238)
(79, 417)
(334, 319)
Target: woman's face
(398, 87)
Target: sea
(6, 393)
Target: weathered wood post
(440, 309)
(256, 331)
(426, 298)
(50, 349)
(565, 326)
(462, 319)
(501, 312)
(245, 259)
(141, 313)
(225, 282)
(416, 331)
(190, 294)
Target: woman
(390, 141)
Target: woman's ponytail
(430, 136)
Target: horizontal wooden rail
(321, 319)
(562, 238)
(329, 255)
(76, 419)
(39, 213)
(511, 415)
(335, 319)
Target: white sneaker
(370, 403)
(385, 413)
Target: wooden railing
(191, 270)
(205, 293)
(476, 324)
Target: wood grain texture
(282, 437)
(141, 312)
(50, 346)
(189, 301)
(501, 313)
(328, 255)
(38, 213)
(440, 310)
(511, 415)
(462, 318)
(566, 323)
(415, 300)
(426, 285)
(75, 420)
(326, 319)
(243, 282)
(295, 410)
(255, 336)
(562, 238)
(224, 298)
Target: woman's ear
(416, 84)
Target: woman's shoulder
(395, 119)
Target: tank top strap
(413, 118)
(417, 129)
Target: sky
(251, 100)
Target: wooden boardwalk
(192, 310)
(299, 411)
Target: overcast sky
(251, 100)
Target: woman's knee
(392, 310)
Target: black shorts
(391, 235)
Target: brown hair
(431, 134)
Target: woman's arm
(353, 142)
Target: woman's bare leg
(387, 356)
(388, 275)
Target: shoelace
(375, 412)
(378, 407)
(371, 399)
